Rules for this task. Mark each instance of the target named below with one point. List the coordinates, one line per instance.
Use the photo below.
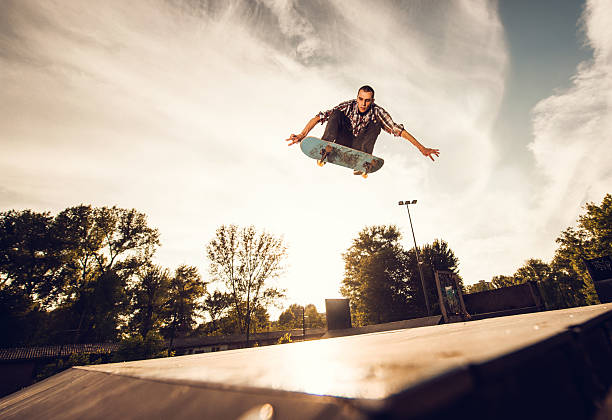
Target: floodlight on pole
(416, 251)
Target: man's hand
(295, 138)
(430, 152)
(426, 151)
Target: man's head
(365, 98)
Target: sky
(180, 109)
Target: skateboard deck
(324, 151)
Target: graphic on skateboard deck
(324, 151)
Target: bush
(137, 348)
(284, 339)
(75, 359)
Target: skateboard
(325, 151)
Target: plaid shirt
(360, 121)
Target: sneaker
(357, 173)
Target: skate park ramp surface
(388, 326)
(552, 364)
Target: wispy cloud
(296, 28)
(572, 129)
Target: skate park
(544, 364)
(141, 136)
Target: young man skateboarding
(357, 124)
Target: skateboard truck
(368, 167)
(324, 153)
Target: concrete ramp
(387, 326)
(541, 365)
(86, 394)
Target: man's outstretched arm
(296, 138)
(426, 151)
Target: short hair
(366, 88)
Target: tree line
(383, 284)
(87, 275)
(564, 281)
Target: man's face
(364, 100)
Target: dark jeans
(340, 130)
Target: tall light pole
(416, 251)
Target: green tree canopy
(31, 257)
(291, 318)
(382, 279)
(500, 281)
(436, 256)
(481, 286)
(591, 238)
(106, 245)
(314, 319)
(375, 281)
(72, 269)
(150, 299)
(186, 288)
(216, 304)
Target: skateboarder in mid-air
(357, 124)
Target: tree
(540, 274)
(216, 304)
(440, 257)
(435, 257)
(225, 325)
(533, 270)
(261, 319)
(150, 298)
(591, 238)
(22, 321)
(571, 286)
(313, 318)
(105, 239)
(558, 286)
(565, 281)
(139, 347)
(503, 281)
(565, 287)
(106, 246)
(596, 225)
(382, 280)
(186, 287)
(481, 286)
(245, 261)
(109, 302)
(291, 317)
(548, 280)
(375, 277)
(30, 260)
(30, 254)
(73, 268)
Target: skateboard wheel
(365, 175)
(320, 163)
